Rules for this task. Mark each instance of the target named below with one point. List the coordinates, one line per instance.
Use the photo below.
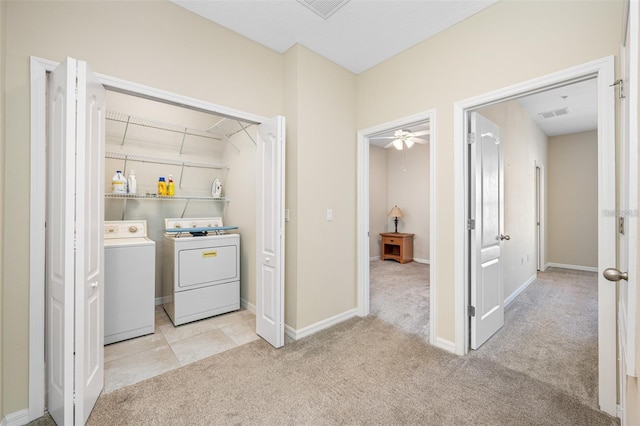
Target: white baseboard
(445, 344)
(320, 325)
(574, 267)
(519, 290)
(371, 259)
(18, 418)
(244, 304)
(162, 300)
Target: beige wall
(378, 198)
(524, 145)
(507, 43)
(154, 43)
(325, 174)
(402, 179)
(572, 200)
(409, 190)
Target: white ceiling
(359, 35)
(363, 33)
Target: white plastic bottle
(132, 185)
(119, 183)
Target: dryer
(201, 269)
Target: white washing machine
(201, 269)
(129, 276)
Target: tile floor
(170, 347)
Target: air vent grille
(554, 113)
(324, 8)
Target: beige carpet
(363, 371)
(399, 295)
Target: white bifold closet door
(74, 248)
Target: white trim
(519, 290)
(603, 70)
(37, 248)
(372, 258)
(245, 304)
(18, 418)
(363, 257)
(445, 344)
(632, 227)
(320, 325)
(541, 254)
(38, 69)
(162, 300)
(423, 261)
(573, 267)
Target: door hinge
(471, 224)
(621, 225)
(471, 311)
(471, 138)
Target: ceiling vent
(324, 8)
(554, 113)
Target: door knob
(505, 237)
(614, 274)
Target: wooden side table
(397, 246)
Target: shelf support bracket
(245, 130)
(184, 136)
(181, 173)
(231, 143)
(185, 209)
(126, 127)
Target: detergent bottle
(171, 188)
(162, 186)
(132, 185)
(119, 183)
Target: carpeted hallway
(366, 371)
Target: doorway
(270, 148)
(602, 71)
(368, 232)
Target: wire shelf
(165, 197)
(157, 160)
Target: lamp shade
(398, 144)
(395, 212)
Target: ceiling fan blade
(389, 145)
(419, 140)
(421, 133)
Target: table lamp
(395, 213)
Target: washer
(129, 276)
(201, 269)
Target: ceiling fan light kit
(404, 138)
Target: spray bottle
(171, 188)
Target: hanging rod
(161, 125)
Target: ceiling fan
(404, 138)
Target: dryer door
(199, 267)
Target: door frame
(603, 71)
(39, 68)
(363, 256)
(539, 176)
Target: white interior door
(89, 242)
(270, 232)
(74, 279)
(487, 210)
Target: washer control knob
(133, 229)
(94, 284)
